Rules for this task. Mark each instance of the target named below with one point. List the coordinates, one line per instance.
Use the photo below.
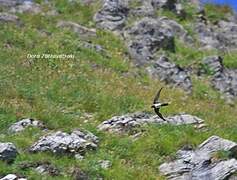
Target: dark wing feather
(159, 114)
(156, 99)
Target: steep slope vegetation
(100, 82)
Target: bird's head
(153, 106)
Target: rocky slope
(78, 78)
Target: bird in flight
(157, 104)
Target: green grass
(215, 12)
(59, 92)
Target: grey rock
(12, 3)
(78, 174)
(79, 157)
(207, 37)
(77, 142)
(146, 37)
(227, 34)
(8, 152)
(170, 73)
(178, 30)
(12, 177)
(8, 3)
(149, 7)
(113, 15)
(172, 5)
(199, 164)
(222, 36)
(82, 31)
(23, 124)
(169, 4)
(96, 48)
(105, 164)
(47, 169)
(43, 167)
(214, 63)
(27, 7)
(145, 9)
(6, 17)
(226, 83)
(83, 2)
(129, 122)
(224, 79)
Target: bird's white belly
(157, 105)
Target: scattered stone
(146, 37)
(129, 122)
(8, 152)
(170, 73)
(77, 142)
(25, 123)
(12, 177)
(199, 163)
(79, 157)
(95, 47)
(78, 174)
(47, 169)
(105, 164)
(43, 167)
(6, 17)
(77, 28)
(113, 15)
(224, 79)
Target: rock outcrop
(8, 152)
(149, 7)
(113, 15)
(201, 163)
(142, 9)
(6, 17)
(129, 122)
(77, 142)
(224, 79)
(7, 3)
(26, 7)
(172, 5)
(178, 30)
(25, 123)
(170, 73)
(82, 31)
(221, 36)
(146, 37)
(12, 177)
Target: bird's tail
(165, 104)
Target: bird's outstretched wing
(159, 114)
(156, 99)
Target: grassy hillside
(60, 92)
